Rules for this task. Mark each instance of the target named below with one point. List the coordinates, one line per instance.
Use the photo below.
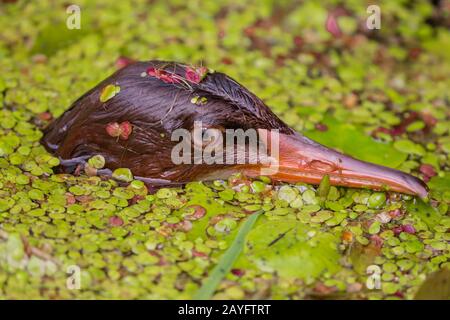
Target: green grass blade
(226, 260)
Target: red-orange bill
(303, 160)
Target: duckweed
(134, 241)
(109, 92)
(123, 174)
(376, 200)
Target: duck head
(159, 119)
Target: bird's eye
(207, 137)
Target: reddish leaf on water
(199, 212)
(427, 170)
(39, 58)
(395, 213)
(84, 199)
(298, 41)
(249, 31)
(45, 116)
(78, 170)
(397, 230)
(115, 221)
(354, 287)
(238, 272)
(401, 128)
(322, 289)
(70, 198)
(196, 253)
(397, 131)
(280, 60)
(184, 226)
(429, 120)
(381, 130)
(227, 61)
(136, 199)
(377, 241)
(408, 228)
(414, 53)
(332, 25)
(321, 127)
(351, 100)
(122, 62)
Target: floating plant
(379, 97)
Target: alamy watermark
(73, 281)
(73, 21)
(374, 277)
(374, 20)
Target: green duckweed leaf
(351, 140)
(292, 249)
(227, 260)
(109, 92)
(425, 212)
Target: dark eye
(207, 137)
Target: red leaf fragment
(397, 230)
(152, 72)
(429, 120)
(122, 62)
(408, 228)
(199, 212)
(377, 241)
(427, 170)
(126, 129)
(136, 199)
(414, 53)
(70, 198)
(401, 128)
(115, 221)
(321, 127)
(322, 289)
(395, 213)
(163, 75)
(196, 253)
(45, 116)
(122, 130)
(238, 272)
(184, 225)
(298, 41)
(195, 75)
(113, 129)
(332, 26)
(227, 60)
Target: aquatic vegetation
(380, 95)
(109, 92)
